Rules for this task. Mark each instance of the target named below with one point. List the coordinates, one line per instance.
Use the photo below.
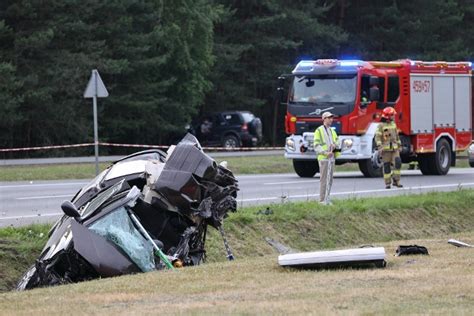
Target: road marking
(306, 195)
(41, 185)
(30, 216)
(413, 188)
(291, 182)
(425, 187)
(44, 197)
(359, 176)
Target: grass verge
(223, 287)
(440, 283)
(19, 247)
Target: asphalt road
(22, 203)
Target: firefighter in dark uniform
(389, 145)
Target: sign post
(96, 89)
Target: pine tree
(256, 41)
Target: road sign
(96, 87)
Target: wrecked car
(147, 211)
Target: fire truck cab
(433, 100)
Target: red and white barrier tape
(45, 147)
(134, 145)
(242, 148)
(205, 148)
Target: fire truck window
(364, 87)
(381, 86)
(393, 89)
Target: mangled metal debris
(147, 211)
(459, 243)
(365, 256)
(359, 257)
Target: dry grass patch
(441, 283)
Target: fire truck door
(366, 113)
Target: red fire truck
(433, 100)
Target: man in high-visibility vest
(389, 144)
(325, 145)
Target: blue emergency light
(304, 66)
(310, 65)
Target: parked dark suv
(230, 129)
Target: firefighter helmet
(388, 112)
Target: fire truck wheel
(305, 168)
(437, 163)
(442, 158)
(368, 170)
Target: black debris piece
(411, 250)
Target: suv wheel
(230, 142)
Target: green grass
(19, 247)
(238, 165)
(304, 226)
(438, 284)
(49, 172)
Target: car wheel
(230, 142)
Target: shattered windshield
(117, 227)
(101, 198)
(324, 89)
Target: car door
(110, 242)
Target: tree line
(166, 61)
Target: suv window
(232, 119)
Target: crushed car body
(147, 211)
